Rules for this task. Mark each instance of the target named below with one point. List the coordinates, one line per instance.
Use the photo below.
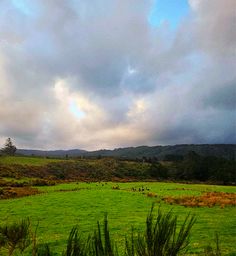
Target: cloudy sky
(114, 73)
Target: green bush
(161, 237)
(15, 236)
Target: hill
(52, 153)
(227, 151)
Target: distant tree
(9, 148)
(157, 170)
(173, 158)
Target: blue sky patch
(75, 110)
(171, 11)
(24, 6)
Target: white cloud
(95, 75)
(194, 4)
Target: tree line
(190, 167)
(195, 167)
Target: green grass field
(57, 209)
(32, 161)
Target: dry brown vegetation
(151, 194)
(14, 192)
(208, 199)
(83, 170)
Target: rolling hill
(227, 151)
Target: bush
(15, 236)
(161, 237)
(102, 245)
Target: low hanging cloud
(81, 74)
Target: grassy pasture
(58, 208)
(32, 161)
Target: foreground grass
(59, 209)
(161, 238)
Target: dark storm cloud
(223, 97)
(97, 74)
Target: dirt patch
(208, 199)
(14, 192)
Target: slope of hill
(219, 150)
(227, 151)
(52, 153)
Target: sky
(117, 73)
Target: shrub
(75, 246)
(13, 192)
(15, 236)
(44, 250)
(208, 199)
(102, 245)
(161, 237)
